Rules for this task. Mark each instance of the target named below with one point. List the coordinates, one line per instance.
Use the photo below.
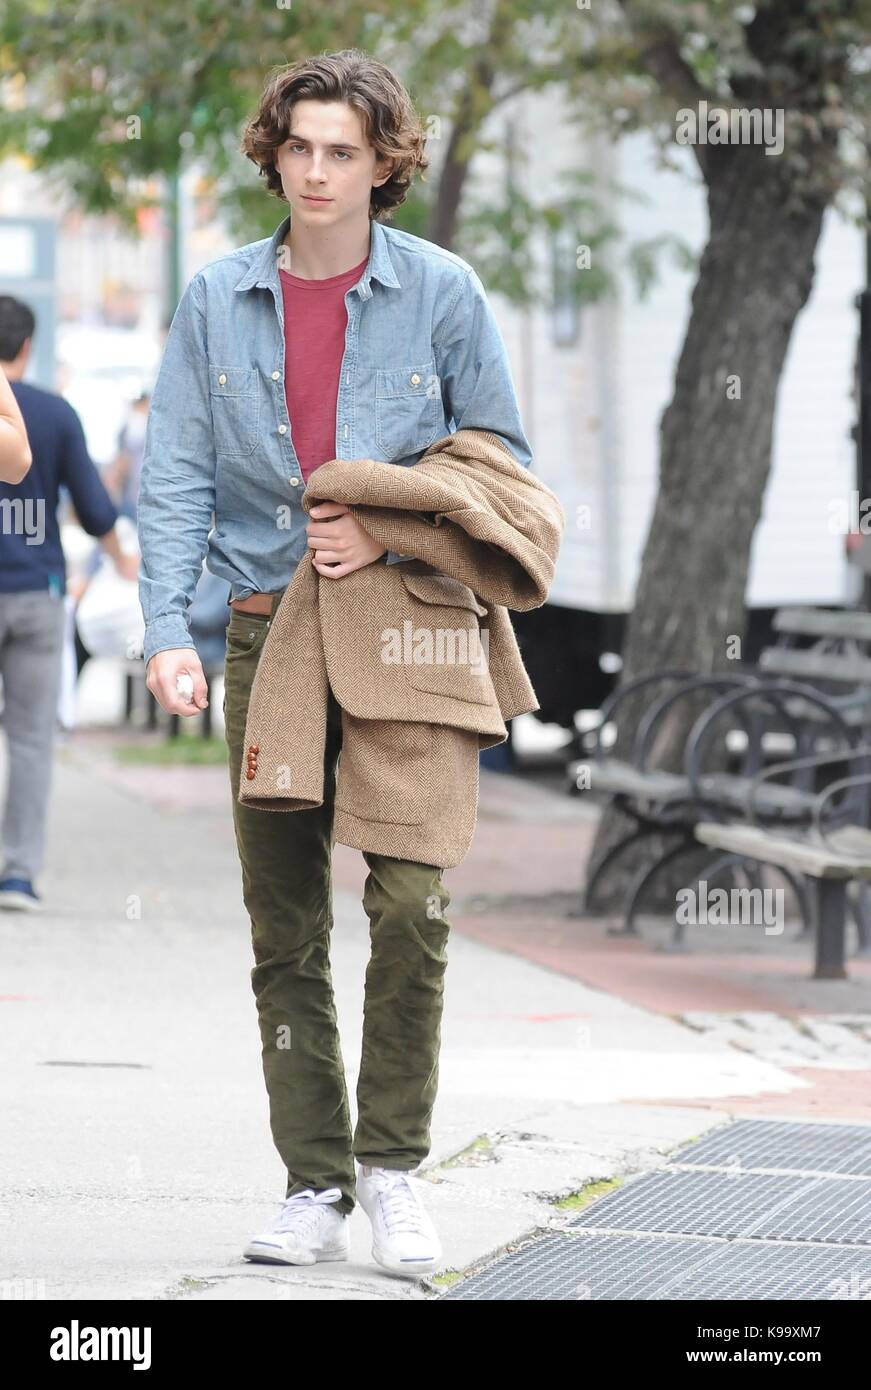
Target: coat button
(250, 774)
(222, 380)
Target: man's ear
(382, 176)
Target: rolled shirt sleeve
(475, 374)
(474, 370)
(177, 483)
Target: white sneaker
(307, 1230)
(404, 1237)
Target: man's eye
(342, 153)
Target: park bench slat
(818, 622)
(804, 856)
(787, 661)
(856, 714)
(622, 779)
(851, 840)
(770, 796)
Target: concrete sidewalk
(137, 1156)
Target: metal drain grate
(784, 1145)
(723, 1232)
(737, 1204)
(567, 1267)
(702, 1204)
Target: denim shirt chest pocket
(235, 401)
(409, 413)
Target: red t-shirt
(315, 321)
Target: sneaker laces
(301, 1211)
(399, 1202)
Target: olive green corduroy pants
(287, 890)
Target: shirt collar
(263, 270)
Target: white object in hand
(185, 687)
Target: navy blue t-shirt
(31, 555)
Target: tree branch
(660, 54)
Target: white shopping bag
(109, 615)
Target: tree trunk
(755, 275)
(473, 107)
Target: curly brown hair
(389, 120)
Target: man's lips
(312, 198)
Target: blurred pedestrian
(32, 598)
(122, 475)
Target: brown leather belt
(254, 603)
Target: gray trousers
(32, 625)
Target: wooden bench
(670, 804)
(839, 656)
(832, 858)
(822, 862)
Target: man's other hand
(160, 678)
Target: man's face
(327, 156)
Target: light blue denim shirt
(423, 356)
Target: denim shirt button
(276, 376)
(294, 482)
(282, 429)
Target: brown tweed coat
(421, 655)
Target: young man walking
(339, 337)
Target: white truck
(592, 409)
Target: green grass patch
(188, 750)
(585, 1195)
(480, 1148)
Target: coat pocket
(409, 413)
(441, 643)
(235, 409)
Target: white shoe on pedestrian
(404, 1238)
(306, 1231)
